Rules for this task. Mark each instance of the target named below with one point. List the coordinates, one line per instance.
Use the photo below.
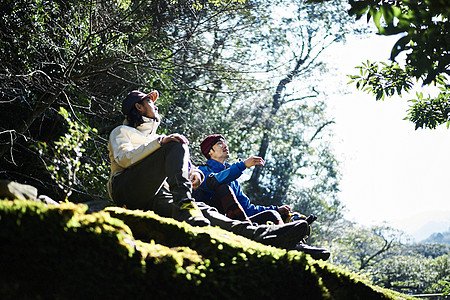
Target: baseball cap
(135, 97)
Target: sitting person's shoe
(191, 214)
(284, 236)
(316, 253)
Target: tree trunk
(268, 124)
(254, 179)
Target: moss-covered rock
(63, 252)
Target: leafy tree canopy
(424, 30)
(83, 56)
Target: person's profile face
(148, 108)
(219, 150)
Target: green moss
(235, 266)
(62, 252)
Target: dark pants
(225, 201)
(267, 216)
(141, 185)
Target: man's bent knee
(214, 185)
(179, 146)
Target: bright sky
(391, 172)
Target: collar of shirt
(149, 126)
(217, 166)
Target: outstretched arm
(254, 161)
(235, 170)
(228, 175)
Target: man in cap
(222, 190)
(153, 172)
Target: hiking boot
(316, 253)
(308, 234)
(311, 218)
(285, 236)
(191, 214)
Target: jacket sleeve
(223, 177)
(125, 153)
(206, 171)
(194, 169)
(230, 174)
(249, 208)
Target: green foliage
(424, 29)
(430, 112)
(429, 248)
(382, 81)
(98, 256)
(412, 273)
(379, 253)
(81, 55)
(360, 248)
(63, 158)
(446, 286)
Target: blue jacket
(228, 174)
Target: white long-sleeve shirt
(128, 145)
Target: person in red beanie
(235, 204)
(221, 190)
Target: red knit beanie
(208, 143)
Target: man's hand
(253, 161)
(196, 179)
(175, 137)
(284, 210)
